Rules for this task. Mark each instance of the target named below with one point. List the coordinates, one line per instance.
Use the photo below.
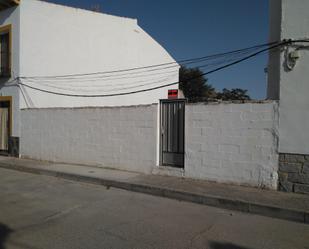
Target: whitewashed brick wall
(232, 143)
(117, 137)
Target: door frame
(160, 133)
(8, 99)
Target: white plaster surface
(118, 137)
(294, 84)
(51, 40)
(273, 68)
(59, 40)
(232, 143)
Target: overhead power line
(277, 45)
(161, 86)
(73, 86)
(186, 61)
(137, 74)
(93, 89)
(106, 86)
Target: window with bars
(5, 69)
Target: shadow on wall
(4, 234)
(223, 245)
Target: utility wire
(115, 87)
(186, 61)
(142, 83)
(51, 84)
(143, 74)
(165, 85)
(72, 87)
(283, 43)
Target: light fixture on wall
(291, 58)
(292, 53)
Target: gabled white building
(72, 51)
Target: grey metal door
(172, 132)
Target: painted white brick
(223, 142)
(202, 123)
(238, 145)
(211, 163)
(253, 116)
(210, 131)
(195, 131)
(241, 107)
(229, 148)
(195, 147)
(209, 147)
(261, 108)
(123, 137)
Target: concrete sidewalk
(289, 206)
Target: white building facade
(76, 52)
(74, 88)
(288, 82)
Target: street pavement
(46, 212)
(270, 203)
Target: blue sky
(193, 28)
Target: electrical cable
(165, 85)
(112, 77)
(97, 78)
(283, 43)
(156, 65)
(50, 84)
(144, 83)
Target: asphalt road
(46, 212)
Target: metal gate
(172, 132)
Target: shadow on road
(4, 233)
(222, 245)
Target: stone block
(286, 186)
(293, 158)
(283, 176)
(290, 167)
(301, 188)
(281, 157)
(306, 168)
(298, 178)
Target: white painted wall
(59, 40)
(117, 137)
(232, 143)
(292, 21)
(8, 86)
(273, 70)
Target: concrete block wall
(294, 173)
(116, 137)
(233, 143)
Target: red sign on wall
(173, 94)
